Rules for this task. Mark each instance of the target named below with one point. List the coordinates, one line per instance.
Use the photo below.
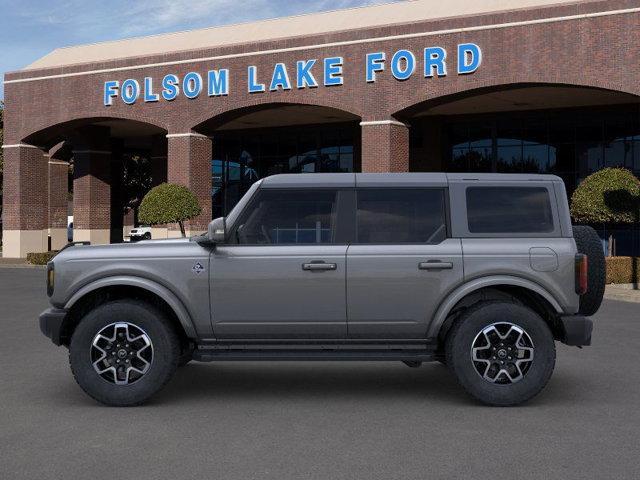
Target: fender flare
(149, 285)
(463, 290)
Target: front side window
(278, 217)
(509, 210)
(401, 216)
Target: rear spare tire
(588, 243)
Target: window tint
(401, 216)
(509, 210)
(289, 216)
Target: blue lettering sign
(218, 81)
(333, 71)
(192, 85)
(149, 96)
(403, 64)
(469, 58)
(434, 58)
(304, 77)
(254, 87)
(375, 63)
(110, 92)
(170, 87)
(130, 91)
(280, 78)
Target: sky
(29, 29)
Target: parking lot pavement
(315, 420)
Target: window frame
(445, 205)
(342, 204)
(458, 193)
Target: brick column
(189, 164)
(158, 160)
(92, 185)
(25, 200)
(58, 191)
(385, 146)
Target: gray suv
(482, 273)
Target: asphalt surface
(315, 420)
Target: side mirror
(217, 231)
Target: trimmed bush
(169, 203)
(40, 258)
(621, 269)
(610, 195)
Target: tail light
(582, 276)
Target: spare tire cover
(588, 243)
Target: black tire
(165, 352)
(589, 243)
(461, 337)
(147, 236)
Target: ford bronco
(481, 272)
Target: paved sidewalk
(628, 292)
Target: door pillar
(189, 164)
(385, 146)
(25, 200)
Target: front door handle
(435, 265)
(319, 266)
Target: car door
(401, 263)
(283, 273)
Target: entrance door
(401, 262)
(283, 273)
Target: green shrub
(610, 195)
(621, 269)
(41, 258)
(169, 203)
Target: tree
(169, 203)
(611, 195)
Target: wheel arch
(526, 291)
(119, 287)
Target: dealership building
(544, 86)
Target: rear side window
(509, 210)
(401, 215)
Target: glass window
(289, 217)
(509, 210)
(401, 216)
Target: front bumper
(51, 323)
(577, 330)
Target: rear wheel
(501, 353)
(123, 352)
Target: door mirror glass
(217, 230)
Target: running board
(405, 351)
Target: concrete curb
(623, 292)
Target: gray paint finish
(374, 291)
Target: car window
(278, 217)
(509, 210)
(401, 215)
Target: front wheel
(123, 352)
(502, 353)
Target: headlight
(50, 278)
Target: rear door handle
(319, 266)
(435, 265)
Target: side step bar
(404, 351)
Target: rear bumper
(51, 321)
(577, 330)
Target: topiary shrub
(41, 258)
(169, 203)
(611, 195)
